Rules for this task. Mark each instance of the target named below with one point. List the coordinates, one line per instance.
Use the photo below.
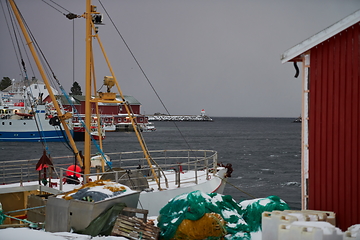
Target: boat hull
(33, 136)
(154, 201)
(17, 128)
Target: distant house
(331, 119)
(78, 102)
(114, 113)
(33, 87)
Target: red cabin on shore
(331, 119)
(78, 102)
(111, 113)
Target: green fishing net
(240, 219)
(193, 206)
(252, 210)
(2, 216)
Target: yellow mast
(89, 77)
(62, 117)
(104, 97)
(88, 39)
(129, 112)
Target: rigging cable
(38, 123)
(37, 48)
(143, 72)
(55, 7)
(12, 40)
(72, 16)
(69, 15)
(26, 77)
(73, 51)
(17, 45)
(227, 182)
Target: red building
(331, 119)
(112, 113)
(105, 109)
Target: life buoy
(73, 170)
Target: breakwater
(179, 118)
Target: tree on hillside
(76, 89)
(5, 82)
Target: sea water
(265, 153)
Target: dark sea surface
(264, 152)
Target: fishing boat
(25, 116)
(298, 120)
(80, 129)
(148, 127)
(157, 175)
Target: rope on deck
(3, 216)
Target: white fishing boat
(157, 175)
(148, 127)
(26, 117)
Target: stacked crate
(300, 225)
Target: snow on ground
(31, 234)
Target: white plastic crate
(352, 233)
(272, 220)
(315, 215)
(311, 230)
(270, 223)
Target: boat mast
(62, 117)
(107, 97)
(88, 39)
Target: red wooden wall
(105, 109)
(334, 127)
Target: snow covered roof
(79, 98)
(320, 37)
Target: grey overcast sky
(219, 55)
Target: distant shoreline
(179, 118)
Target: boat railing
(22, 171)
(129, 168)
(126, 168)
